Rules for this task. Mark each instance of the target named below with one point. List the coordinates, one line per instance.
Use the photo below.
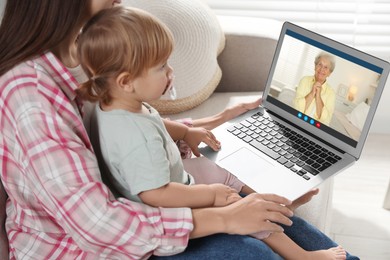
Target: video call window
(346, 90)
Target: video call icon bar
(309, 120)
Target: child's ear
(125, 82)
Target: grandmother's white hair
(327, 56)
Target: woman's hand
(196, 135)
(249, 215)
(257, 213)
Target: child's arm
(196, 135)
(175, 195)
(229, 113)
(176, 130)
(193, 136)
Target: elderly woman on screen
(314, 96)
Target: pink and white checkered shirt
(58, 207)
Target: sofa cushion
(198, 41)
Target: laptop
(278, 147)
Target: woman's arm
(176, 195)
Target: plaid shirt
(58, 206)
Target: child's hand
(224, 195)
(241, 108)
(196, 135)
(303, 199)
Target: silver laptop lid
(350, 94)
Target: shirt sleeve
(61, 173)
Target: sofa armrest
(249, 50)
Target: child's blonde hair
(119, 40)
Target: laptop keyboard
(289, 148)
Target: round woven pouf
(198, 41)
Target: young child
(125, 52)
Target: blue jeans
(223, 246)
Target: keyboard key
(247, 139)
(316, 165)
(309, 161)
(300, 163)
(289, 164)
(310, 169)
(264, 149)
(320, 160)
(331, 160)
(241, 135)
(246, 123)
(271, 145)
(265, 142)
(231, 128)
(236, 132)
(282, 152)
(277, 149)
(282, 160)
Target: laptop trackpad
(252, 169)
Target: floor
(359, 221)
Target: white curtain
(363, 24)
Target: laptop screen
(329, 88)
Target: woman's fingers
(255, 213)
(278, 216)
(274, 198)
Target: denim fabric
(223, 246)
(309, 237)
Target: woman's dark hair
(32, 27)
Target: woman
(314, 96)
(58, 206)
